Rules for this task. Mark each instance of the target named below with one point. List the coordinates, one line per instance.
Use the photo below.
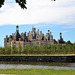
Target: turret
(51, 37)
(60, 36)
(61, 39)
(17, 33)
(34, 32)
(38, 32)
(17, 28)
(33, 29)
(6, 36)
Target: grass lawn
(37, 54)
(37, 72)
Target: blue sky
(58, 16)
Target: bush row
(47, 49)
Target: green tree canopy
(22, 3)
(69, 42)
(20, 48)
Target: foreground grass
(37, 72)
(37, 54)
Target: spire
(17, 33)
(17, 28)
(60, 34)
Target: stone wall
(38, 58)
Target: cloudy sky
(56, 16)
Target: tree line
(42, 49)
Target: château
(32, 38)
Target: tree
(22, 3)
(26, 49)
(20, 48)
(2, 50)
(14, 49)
(7, 50)
(74, 47)
(59, 47)
(69, 42)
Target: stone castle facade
(31, 38)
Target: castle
(31, 38)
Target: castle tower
(60, 36)
(34, 32)
(17, 28)
(61, 39)
(37, 34)
(17, 33)
(51, 37)
(48, 34)
(33, 29)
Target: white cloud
(39, 11)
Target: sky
(56, 16)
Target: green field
(37, 54)
(37, 72)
